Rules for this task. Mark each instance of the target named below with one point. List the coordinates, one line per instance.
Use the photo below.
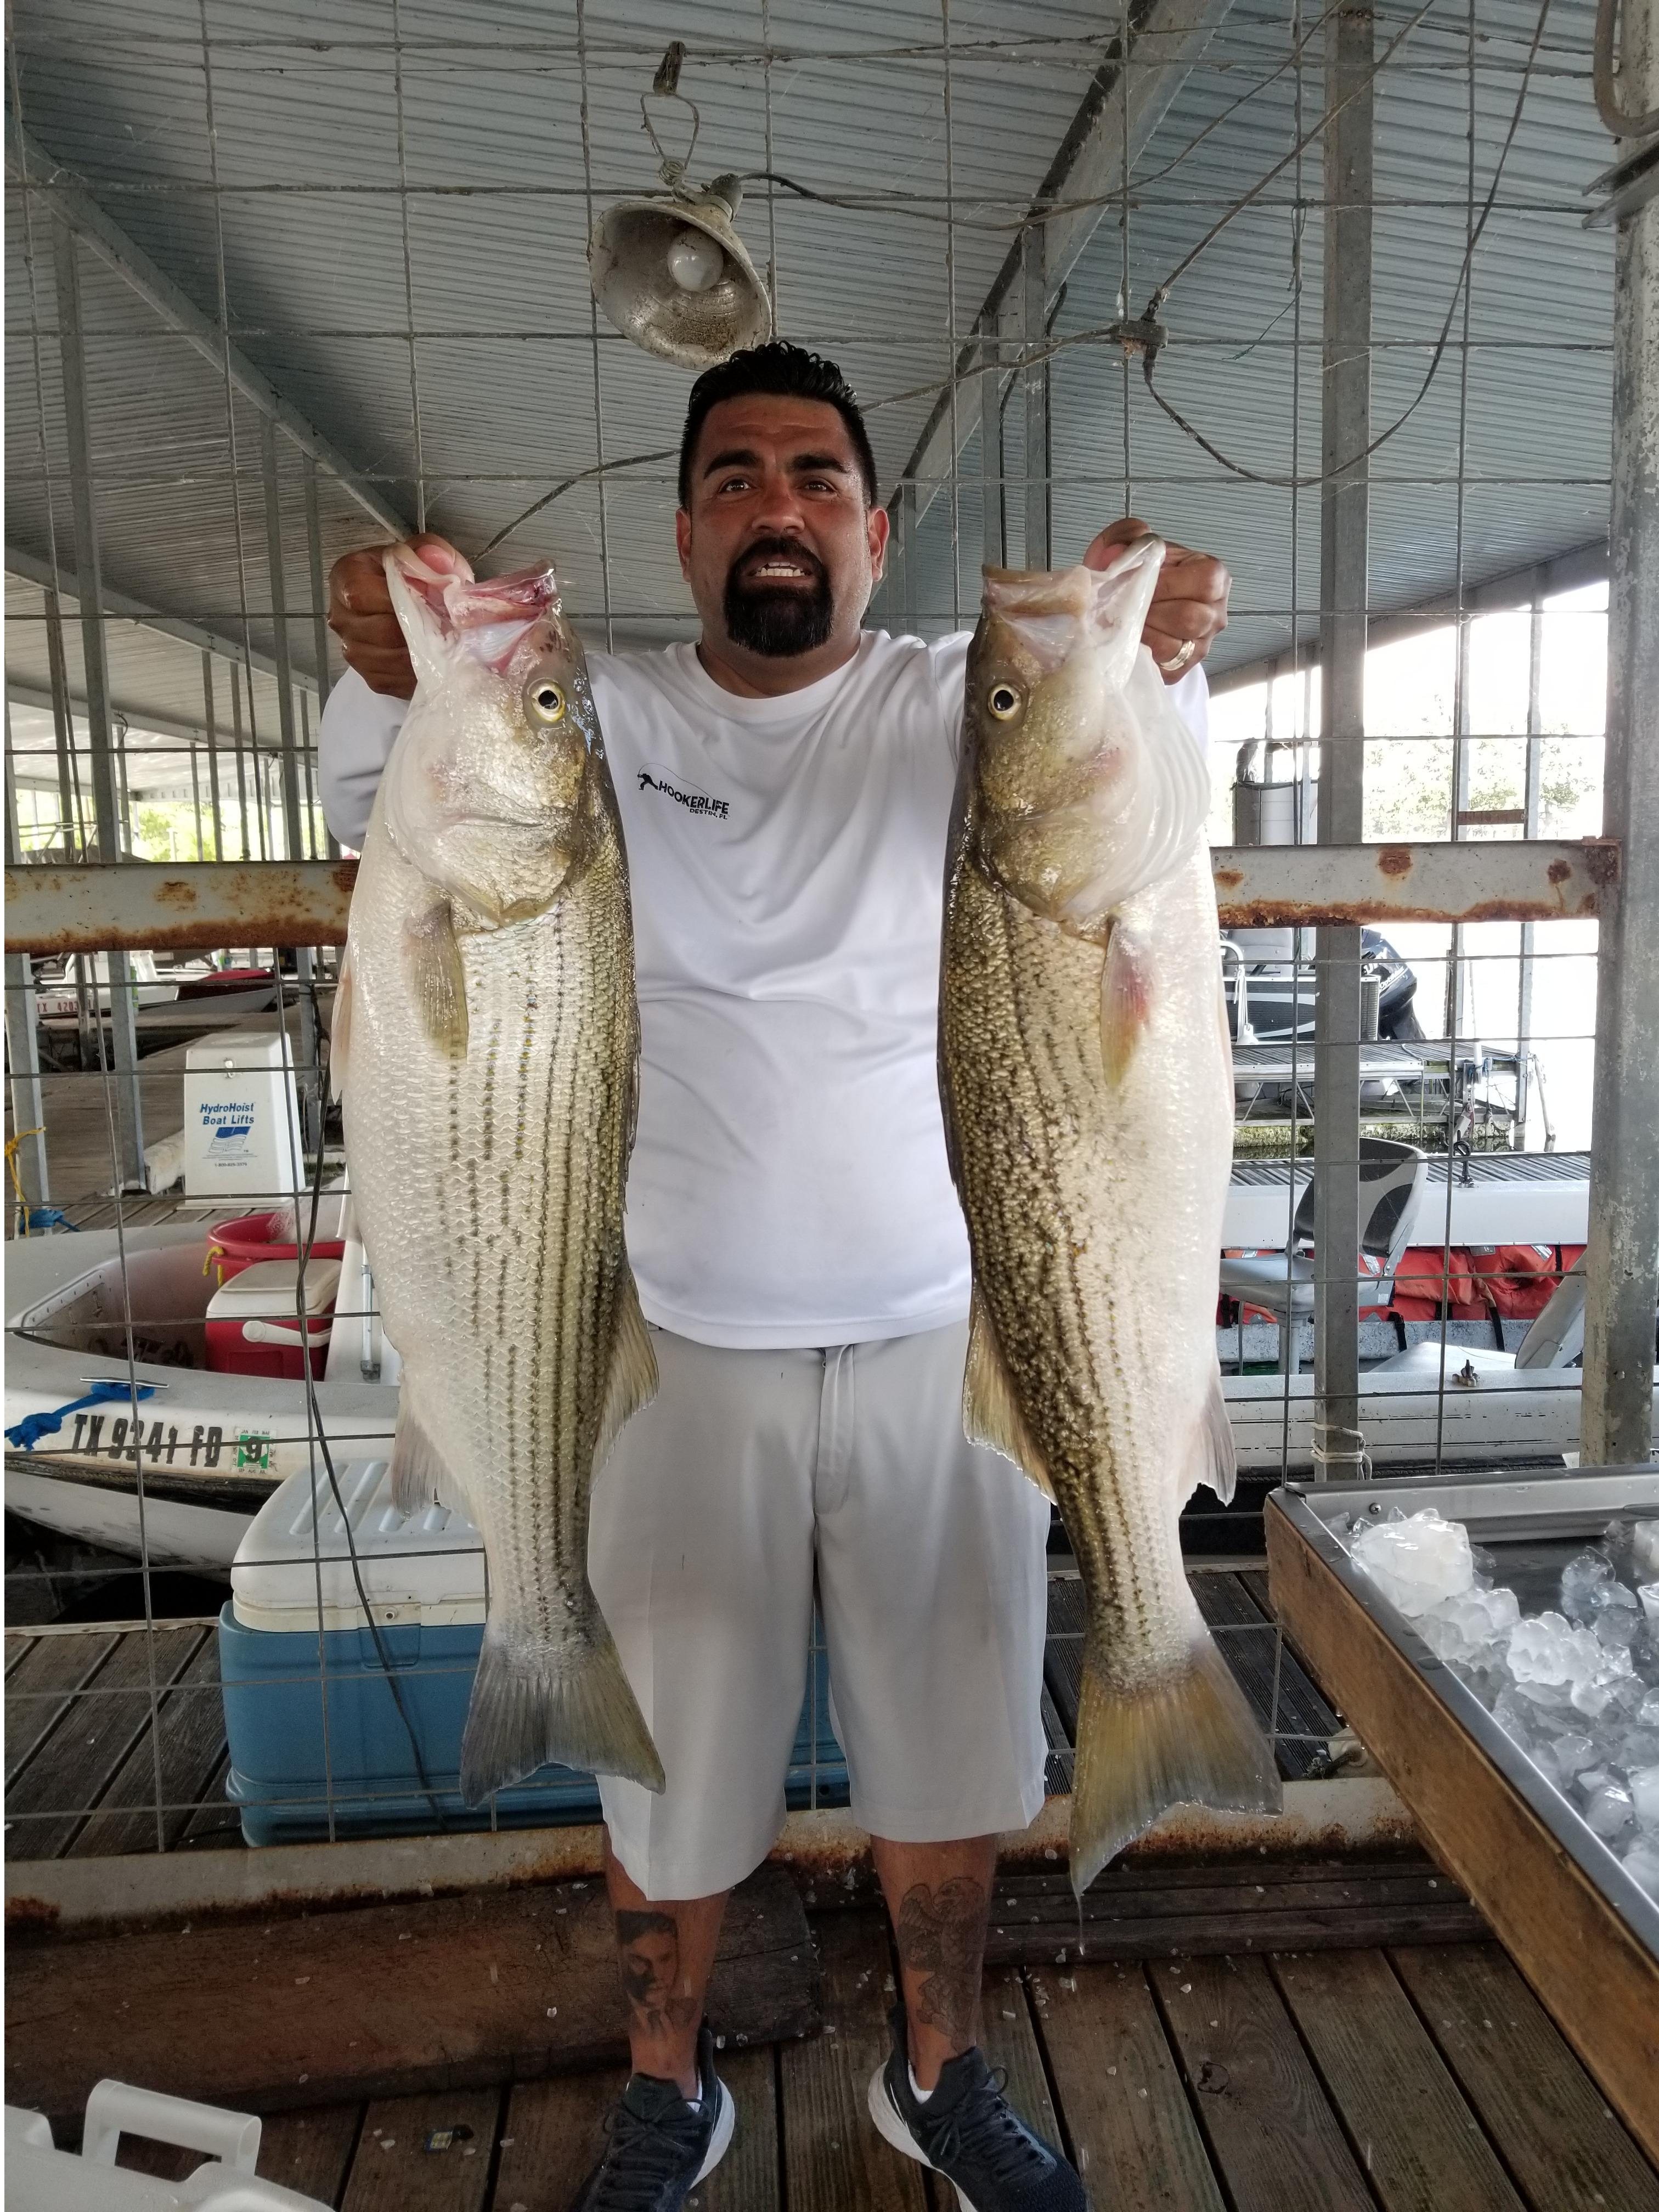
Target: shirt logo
(684, 795)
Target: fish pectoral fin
(439, 979)
(420, 1476)
(1218, 1451)
(990, 1410)
(339, 1031)
(633, 1380)
(1125, 1000)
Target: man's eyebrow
(733, 457)
(826, 463)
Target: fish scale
(488, 1142)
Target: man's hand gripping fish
(486, 1045)
(1086, 1076)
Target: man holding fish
(784, 788)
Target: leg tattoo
(650, 1946)
(941, 1936)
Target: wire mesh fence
(273, 295)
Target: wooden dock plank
(1130, 2128)
(216, 1824)
(1556, 2132)
(746, 2179)
(435, 1993)
(18, 1649)
(394, 2170)
(40, 1691)
(310, 2152)
(833, 2160)
(552, 2137)
(1271, 2132)
(1421, 2147)
(1009, 2040)
(190, 1732)
(68, 1776)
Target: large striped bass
(486, 1045)
(1086, 1078)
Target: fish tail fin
(1188, 1737)
(533, 1703)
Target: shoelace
(984, 2129)
(642, 2155)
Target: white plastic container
(42, 2178)
(427, 1568)
(242, 1136)
(253, 1326)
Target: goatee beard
(779, 624)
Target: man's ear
(879, 524)
(683, 541)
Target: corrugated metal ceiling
(305, 103)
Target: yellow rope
(12, 1145)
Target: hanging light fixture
(668, 269)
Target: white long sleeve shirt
(788, 1184)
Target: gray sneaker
(968, 2132)
(661, 2146)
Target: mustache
(774, 548)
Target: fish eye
(546, 700)
(1004, 701)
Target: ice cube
(1580, 1579)
(1638, 1746)
(1567, 1757)
(1615, 1629)
(1612, 1594)
(1642, 1864)
(1608, 1811)
(1644, 1796)
(1416, 1563)
(1645, 1546)
(1647, 1597)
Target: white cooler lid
(265, 1291)
(427, 1567)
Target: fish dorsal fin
(339, 1030)
(1217, 1453)
(420, 1476)
(439, 979)
(990, 1410)
(633, 1381)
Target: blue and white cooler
(322, 1741)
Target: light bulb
(695, 261)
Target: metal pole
(1532, 802)
(1344, 534)
(241, 765)
(23, 1037)
(1035, 305)
(129, 1124)
(994, 552)
(318, 587)
(279, 626)
(1623, 1264)
(209, 717)
(63, 724)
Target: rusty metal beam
(201, 906)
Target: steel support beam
(121, 606)
(1167, 39)
(1343, 553)
(200, 908)
(1623, 1194)
(24, 1041)
(123, 1040)
(1034, 305)
(73, 206)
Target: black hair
(788, 371)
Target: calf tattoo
(941, 1938)
(650, 1946)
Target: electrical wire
(1324, 476)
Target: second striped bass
(486, 1048)
(1085, 1069)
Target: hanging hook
(665, 85)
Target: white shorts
(747, 1469)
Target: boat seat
(1392, 1176)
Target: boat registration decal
(253, 1448)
